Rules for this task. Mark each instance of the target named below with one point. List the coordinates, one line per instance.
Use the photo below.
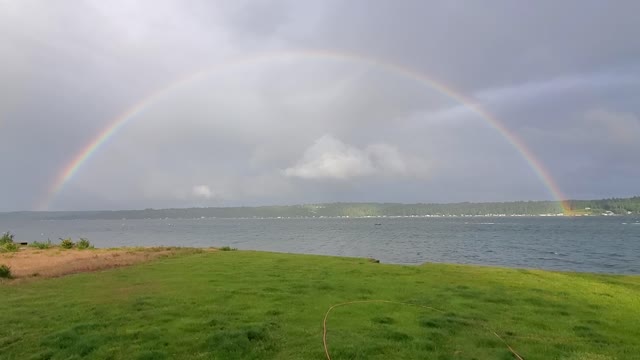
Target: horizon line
(324, 203)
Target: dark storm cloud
(562, 76)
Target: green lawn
(255, 305)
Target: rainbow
(117, 124)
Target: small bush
(41, 245)
(6, 238)
(8, 247)
(67, 243)
(84, 244)
(227, 248)
(5, 272)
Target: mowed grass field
(257, 305)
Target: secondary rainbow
(117, 124)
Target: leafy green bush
(227, 248)
(8, 247)
(5, 272)
(84, 244)
(41, 245)
(67, 243)
(6, 238)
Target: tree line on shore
(618, 206)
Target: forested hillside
(579, 207)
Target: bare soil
(54, 262)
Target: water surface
(593, 244)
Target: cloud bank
(293, 129)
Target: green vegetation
(41, 245)
(7, 244)
(227, 248)
(5, 272)
(67, 243)
(6, 238)
(84, 244)
(252, 305)
(588, 207)
(9, 247)
(64, 243)
(616, 206)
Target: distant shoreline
(361, 217)
(602, 207)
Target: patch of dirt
(36, 263)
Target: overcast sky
(292, 127)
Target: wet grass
(252, 305)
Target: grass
(254, 305)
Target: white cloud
(330, 158)
(202, 191)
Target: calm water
(602, 244)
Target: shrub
(8, 247)
(227, 248)
(5, 272)
(66, 243)
(84, 244)
(41, 245)
(7, 244)
(7, 238)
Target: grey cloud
(262, 18)
(562, 76)
(478, 45)
(613, 128)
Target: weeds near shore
(67, 243)
(41, 245)
(84, 244)
(6, 238)
(8, 247)
(7, 244)
(5, 272)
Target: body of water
(593, 244)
